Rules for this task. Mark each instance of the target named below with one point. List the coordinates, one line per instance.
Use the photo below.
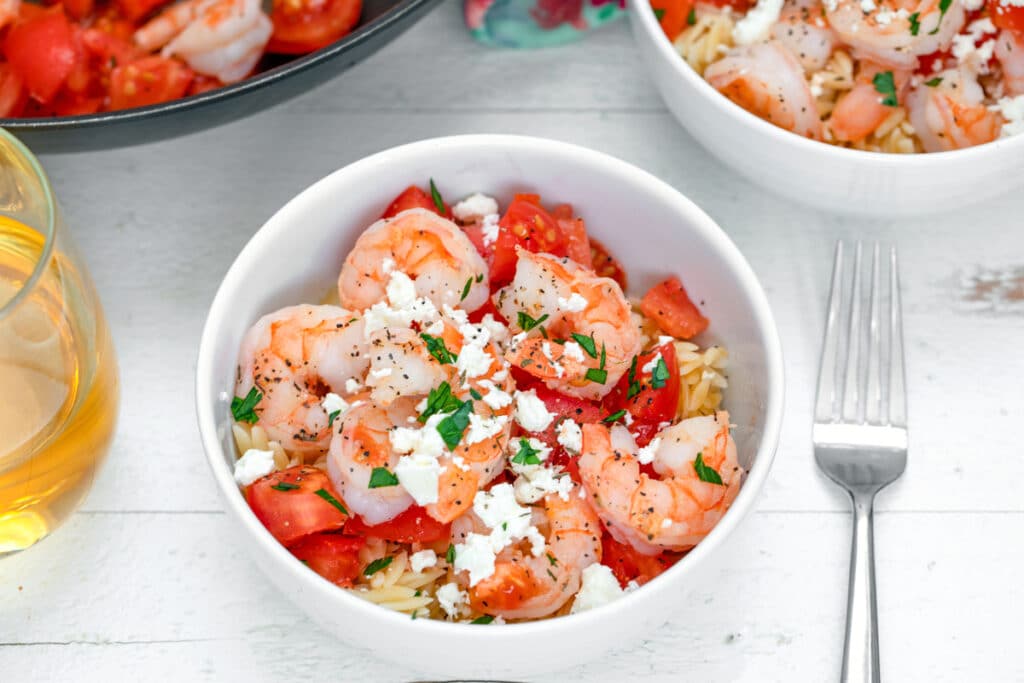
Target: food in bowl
(877, 75)
(86, 56)
(478, 425)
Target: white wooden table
(145, 582)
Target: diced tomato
(667, 304)
(108, 49)
(13, 95)
(332, 556)
(561, 406)
(1010, 17)
(150, 80)
(109, 20)
(475, 233)
(577, 244)
(412, 526)
(560, 457)
(649, 405)
(562, 212)
(413, 198)
(79, 9)
(306, 25)
(488, 307)
(525, 224)
(296, 502)
(672, 15)
(503, 259)
(605, 265)
(629, 565)
(42, 51)
(137, 9)
(201, 84)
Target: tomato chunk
(13, 95)
(527, 225)
(565, 407)
(1010, 17)
(302, 26)
(630, 565)
(605, 265)
(42, 51)
(413, 197)
(137, 9)
(150, 80)
(412, 526)
(672, 15)
(332, 556)
(577, 244)
(670, 307)
(296, 502)
(651, 395)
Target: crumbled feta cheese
(424, 559)
(476, 556)
(473, 361)
(817, 89)
(507, 519)
(418, 474)
(536, 481)
(352, 386)
(531, 413)
(498, 332)
(500, 375)
(451, 599)
(651, 364)
(665, 339)
(475, 206)
(570, 436)
(599, 588)
(574, 304)
(573, 350)
(490, 229)
(401, 290)
(555, 365)
(332, 403)
(456, 315)
(627, 418)
(426, 441)
(483, 428)
(495, 398)
(387, 265)
(1011, 109)
(757, 23)
(435, 328)
(868, 6)
(967, 50)
(254, 464)
(381, 373)
(645, 455)
(972, 5)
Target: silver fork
(860, 426)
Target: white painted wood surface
(145, 583)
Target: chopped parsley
(436, 196)
(243, 409)
(943, 8)
(886, 85)
(440, 400)
(332, 500)
(617, 415)
(634, 385)
(552, 559)
(377, 565)
(527, 323)
(658, 14)
(285, 486)
(660, 374)
(381, 478)
(449, 556)
(599, 375)
(551, 574)
(465, 289)
(691, 18)
(332, 417)
(480, 277)
(475, 394)
(527, 454)
(452, 427)
(931, 83)
(705, 473)
(485, 619)
(586, 343)
(915, 23)
(437, 349)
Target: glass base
(20, 530)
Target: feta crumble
(599, 588)
(332, 403)
(483, 428)
(475, 206)
(574, 304)
(418, 474)
(508, 521)
(966, 48)
(531, 413)
(254, 464)
(570, 436)
(651, 364)
(555, 365)
(573, 350)
(424, 559)
(757, 23)
(645, 455)
(352, 385)
(495, 397)
(490, 229)
(473, 361)
(1011, 109)
(451, 599)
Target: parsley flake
(465, 289)
(596, 376)
(243, 409)
(440, 400)
(943, 7)
(332, 500)
(705, 473)
(886, 85)
(660, 374)
(377, 565)
(617, 415)
(931, 83)
(332, 417)
(436, 196)
(552, 559)
(915, 23)
(437, 349)
(691, 18)
(658, 14)
(285, 486)
(586, 343)
(480, 277)
(381, 478)
(527, 454)
(485, 619)
(476, 394)
(527, 323)
(449, 556)
(452, 427)
(634, 385)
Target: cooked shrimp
(526, 586)
(883, 30)
(952, 115)
(294, 357)
(671, 513)
(220, 38)
(859, 112)
(401, 365)
(431, 250)
(768, 81)
(1009, 51)
(802, 29)
(571, 300)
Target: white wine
(58, 388)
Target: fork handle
(860, 651)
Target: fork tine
(826, 408)
(852, 390)
(897, 373)
(871, 404)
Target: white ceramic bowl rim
(642, 13)
(473, 145)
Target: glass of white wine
(58, 374)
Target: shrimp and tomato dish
(71, 57)
(898, 76)
(478, 425)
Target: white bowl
(655, 231)
(825, 176)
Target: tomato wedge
(150, 80)
(577, 244)
(668, 304)
(332, 556)
(42, 51)
(525, 224)
(672, 15)
(1010, 17)
(561, 406)
(605, 265)
(650, 395)
(302, 26)
(296, 502)
(629, 565)
(413, 197)
(412, 526)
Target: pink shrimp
(952, 114)
(863, 109)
